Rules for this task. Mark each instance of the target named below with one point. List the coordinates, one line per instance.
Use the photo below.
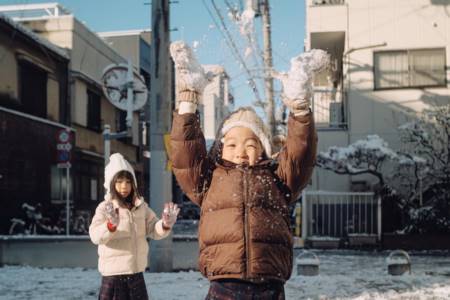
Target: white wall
(402, 24)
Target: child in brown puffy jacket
(246, 247)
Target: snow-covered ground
(343, 275)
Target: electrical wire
(232, 45)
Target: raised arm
(188, 148)
(297, 158)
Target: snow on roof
(122, 32)
(37, 38)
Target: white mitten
(297, 83)
(112, 214)
(189, 74)
(169, 215)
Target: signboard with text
(63, 148)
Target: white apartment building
(390, 63)
(217, 102)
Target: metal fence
(340, 214)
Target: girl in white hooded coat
(120, 226)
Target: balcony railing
(328, 2)
(329, 108)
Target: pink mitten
(112, 214)
(169, 215)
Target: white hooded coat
(125, 250)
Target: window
(121, 120)
(93, 111)
(121, 125)
(94, 189)
(146, 76)
(409, 68)
(33, 89)
(58, 185)
(87, 187)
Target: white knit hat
(247, 117)
(116, 164)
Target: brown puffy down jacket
(244, 225)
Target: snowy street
(343, 275)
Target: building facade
(389, 64)
(89, 110)
(34, 107)
(217, 102)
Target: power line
(251, 38)
(234, 47)
(229, 5)
(231, 44)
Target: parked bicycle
(34, 222)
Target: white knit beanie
(116, 164)
(247, 117)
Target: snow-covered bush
(362, 157)
(416, 178)
(428, 138)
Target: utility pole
(160, 120)
(270, 106)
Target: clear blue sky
(194, 23)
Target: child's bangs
(123, 175)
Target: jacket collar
(227, 165)
(137, 202)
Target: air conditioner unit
(336, 114)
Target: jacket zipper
(133, 229)
(246, 230)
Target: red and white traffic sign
(63, 148)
